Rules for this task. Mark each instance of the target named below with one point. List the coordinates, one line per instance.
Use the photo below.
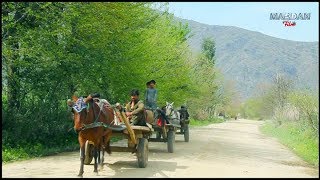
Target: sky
(254, 16)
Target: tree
(308, 106)
(204, 77)
(209, 49)
(281, 89)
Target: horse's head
(80, 109)
(169, 108)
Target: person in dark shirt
(184, 117)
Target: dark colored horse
(90, 122)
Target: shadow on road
(153, 169)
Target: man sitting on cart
(135, 109)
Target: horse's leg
(107, 142)
(101, 156)
(96, 149)
(82, 154)
(101, 152)
(107, 148)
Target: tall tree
(208, 47)
(204, 75)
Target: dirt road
(229, 149)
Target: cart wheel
(158, 135)
(142, 152)
(171, 141)
(88, 153)
(186, 133)
(181, 130)
(182, 124)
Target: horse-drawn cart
(137, 141)
(168, 128)
(165, 133)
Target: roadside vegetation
(301, 140)
(294, 115)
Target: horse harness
(95, 123)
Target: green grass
(38, 150)
(31, 151)
(302, 142)
(206, 122)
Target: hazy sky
(253, 16)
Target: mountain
(250, 58)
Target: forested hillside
(251, 59)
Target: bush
(308, 106)
(301, 141)
(10, 154)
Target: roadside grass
(194, 122)
(301, 141)
(31, 151)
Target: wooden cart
(137, 142)
(165, 133)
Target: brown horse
(88, 121)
